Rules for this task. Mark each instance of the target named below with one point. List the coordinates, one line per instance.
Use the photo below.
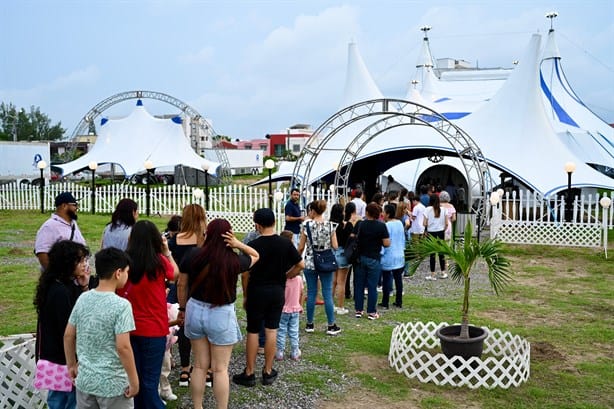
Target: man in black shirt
(263, 292)
(293, 215)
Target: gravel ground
(288, 392)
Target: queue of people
(138, 267)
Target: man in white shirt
(360, 204)
(417, 219)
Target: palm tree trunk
(465, 318)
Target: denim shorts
(342, 262)
(217, 323)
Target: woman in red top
(152, 264)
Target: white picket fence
(526, 218)
(233, 202)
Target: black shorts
(264, 303)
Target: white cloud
(202, 56)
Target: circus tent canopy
(139, 137)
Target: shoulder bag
(323, 260)
(351, 247)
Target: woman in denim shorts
(208, 277)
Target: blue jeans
(148, 355)
(327, 294)
(367, 274)
(62, 400)
(288, 325)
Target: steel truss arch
(197, 121)
(389, 114)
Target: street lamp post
(269, 164)
(41, 165)
(205, 167)
(570, 168)
(149, 166)
(93, 166)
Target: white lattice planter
(506, 360)
(17, 369)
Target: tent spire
(552, 15)
(425, 59)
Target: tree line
(27, 125)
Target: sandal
(209, 379)
(184, 378)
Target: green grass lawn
(561, 300)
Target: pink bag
(52, 376)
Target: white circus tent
(139, 137)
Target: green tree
(32, 125)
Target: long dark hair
(434, 201)
(144, 248)
(336, 216)
(223, 263)
(350, 208)
(63, 259)
(124, 213)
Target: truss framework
(382, 115)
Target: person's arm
(167, 253)
(126, 356)
(301, 242)
(70, 350)
(295, 269)
(244, 281)
(182, 293)
(333, 240)
(43, 259)
(386, 242)
(233, 242)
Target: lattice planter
(17, 369)
(505, 362)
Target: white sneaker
(168, 396)
(341, 310)
(443, 275)
(430, 278)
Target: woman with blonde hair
(191, 234)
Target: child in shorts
(98, 332)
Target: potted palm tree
(464, 340)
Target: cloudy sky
(257, 67)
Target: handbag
(323, 260)
(52, 376)
(351, 247)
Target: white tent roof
(515, 134)
(139, 137)
(507, 119)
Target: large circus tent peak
(516, 136)
(139, 137)
(359, 84)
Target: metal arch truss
(197, 121)
(388, 114)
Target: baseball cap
(64, 197)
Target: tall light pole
(149, 166)
(570, 168)
(269, 164)
(93, 166)
(41, 165)
(205, 167)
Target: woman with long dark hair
(152, 264)
(191, 234)
(211, 273)
(436, 223)
(117, 231)
(59, 286)
(343, 231)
